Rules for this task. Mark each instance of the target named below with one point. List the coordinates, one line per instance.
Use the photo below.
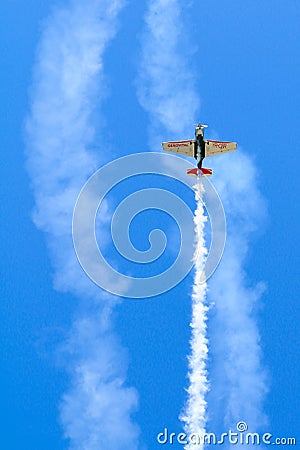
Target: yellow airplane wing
(183, 147)
(217, 147)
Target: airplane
(199, 148)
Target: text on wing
(220, 145)
(178, 144)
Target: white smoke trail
(68, 78)
(194, 416)
(167, 92)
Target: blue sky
(246, 61)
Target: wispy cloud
(96, 410)
(238, 376)
(166, 84)
(69, 82)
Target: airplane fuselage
(199, 147)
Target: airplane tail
(196, 172)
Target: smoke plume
(194, 415)
(68, 77)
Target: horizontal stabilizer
(206, 172)
(196, 172)
(192, 172)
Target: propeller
(200, 125)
